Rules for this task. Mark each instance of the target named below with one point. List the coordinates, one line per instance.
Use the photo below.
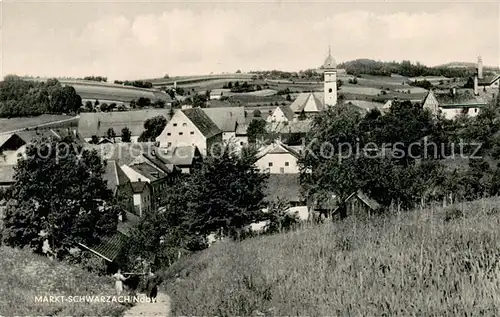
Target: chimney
(480, 67)
(476, 86)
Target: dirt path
(159, 309)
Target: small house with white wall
(278, 158)
(191, 127)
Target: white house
(143, 199)
(191, 127)
(278, 158)
(281, 114)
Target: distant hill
(464, 65)
(405, 68)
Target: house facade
(454, 103)
(191, 127)
(278, 158)
(142, 198)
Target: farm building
(454, 103)
(278, 158)
(98, 123)
(183, 158)
(7, 176)
(191, 127)
(231, 121)
(359, 204)
(363, 106)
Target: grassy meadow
(25, 275)
(431, 262)
(45, 120)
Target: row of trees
(402, 157)
(96, 78)
(404, 68)
(135, 83)
(19, 98)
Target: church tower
(330, 80)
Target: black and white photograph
(302, 158)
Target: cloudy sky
(144, 39)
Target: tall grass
(24, 275)
(434, 262)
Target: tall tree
(126, 135)
(59, 195)
(256, 129)
(153, 128)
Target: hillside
(430, 262)
(25, 275)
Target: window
(168, 133)
(241, 143)
(270, 164)
(287, 164)
(282, 170)
(330, 90)
(180, 133)
(169, 144)
(184, 124)
(192, 132)
(175, 124)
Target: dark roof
(31, 135)
(98, 123)
(11, 141)
(463, 98)
(202, 121)
(7, 173)
(110, 246)
(284, 187)
(180, 155)
(370, 203)
(157, 159)
(114, 175)
(287, 111)
(226, 118)
(149, 171)
(138, 187)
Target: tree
(126, 135)
(153, 128)
(60, 197)
(88, 105)
(96, 102)
(94, 140)
(104, 107)
(257, 113)
(288, 97)
(143, 102)
(111, 134)
(199, 101)
(256, 129)
(133, 104)
(340, 83)
(238, 71)
(159, 104)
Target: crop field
(359, 90)
(47, 120)
(115, 92)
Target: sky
(148, 39)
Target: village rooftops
(277, 147)
(98, 123)
(138, 187)
(150, 172)
(179, 155)
(488, 80)
(202, 121)
(308, 102)
(226, 118)
(462, 98)
(114, 176)
(301, 126)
